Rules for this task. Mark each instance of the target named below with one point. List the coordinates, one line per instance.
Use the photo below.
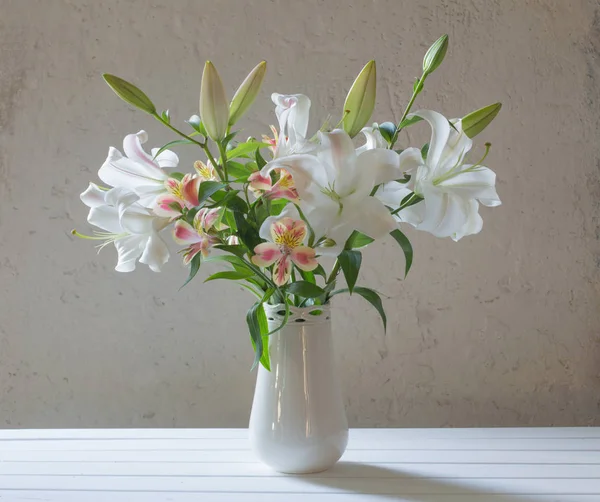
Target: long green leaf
(252, 319)
(231, 275)
(358, 240)
(194, 267)
(350, 261)
(239, 251)
(305, 289)
(247, 233)
(172, 143)
(372, 297)
(245, 148)
(406, 246)
(130, 93)
(208, 188)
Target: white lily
(373, 139)
(451, 189)
(292, 112)
(335, 185)
(137, 170)
(132, 228)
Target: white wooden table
(409, 465)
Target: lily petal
(129, 249)
(440, 130)
(477, 184)
(156, 253)
(474, 222)
(106, 218)
(372, 218)
(93, 196)
(166, 159)
(445, 213)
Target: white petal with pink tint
(266, 254)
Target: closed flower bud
(214, 108)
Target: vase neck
(315, 314)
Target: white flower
(292, 113)
(373, 139)
(136, 170)
(451, 189)
(335, 185)
(131, 227)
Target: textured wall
(499, 329)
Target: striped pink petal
(259, 182)
(189, 190)
(184, 233)
(282, 270)
(168, 206)
(266, 254)
(304, 258)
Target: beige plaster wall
(499, 329)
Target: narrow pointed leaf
(350, 261)
(305, 289)
(372, 297)
(208, 188)
(230, 275)
(130, 93)
(358, 240)
(477, 121)
(406, 246)
(360, 101)
(194, 267)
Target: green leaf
(372, 297)
(387, 130)
(230, 200)
(305, 289)
(194, 267)
(435, 55)
(409, 122)
(360, 101)
(166, 116)
(260, 161)
(170, 144)
(308, 276)
(243, 149)
(247, 233)
(208, 188)
(230, 275)
(358, 240)
(130, 93)
(350, 262)
(417, 86)
(320, 271)
(425, 151)
(477, 121)
(253, 319)
(247, 92)
(238, 171)
(406, 246)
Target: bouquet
(271, 209)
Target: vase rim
(314, 314)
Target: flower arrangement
(270, 209)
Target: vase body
(298, 423)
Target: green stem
(177, 131)
(223, 153)
(407, 203)
(334, 272)
(212, 160)
(407, 109)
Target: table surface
(216, 465)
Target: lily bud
(435, 55)
(360, 101)
(247, 92)
(477, 121)
(214, 109)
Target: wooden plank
(306, 484)
(208, 444)
(391, 434)
(343, 469)
(379, 456)
(137, 496)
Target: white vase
(298, 423)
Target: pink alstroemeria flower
(196, 236)
(180, 194)
(286, 234)
(206, 172)
(284, 188)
